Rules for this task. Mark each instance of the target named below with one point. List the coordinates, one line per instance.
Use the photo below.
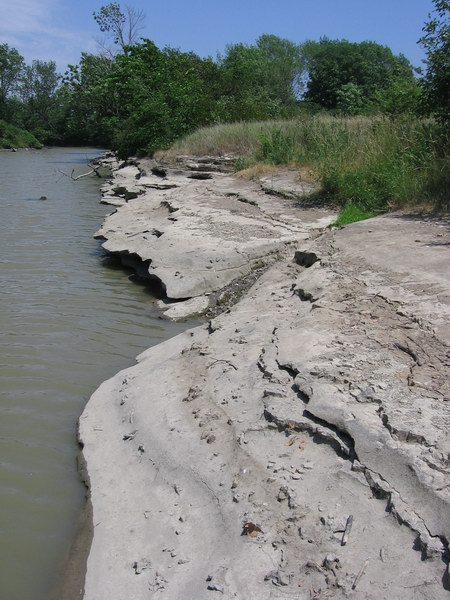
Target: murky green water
(67, 322)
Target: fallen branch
(218, 360)
(93, 170)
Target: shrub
(13, 137)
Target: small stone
(214, 587)
(283, 494)
(329, 560)
(129, 436)
(141, 565)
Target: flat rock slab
(182, 310)
(113, 200)
(287, 184)
(196, 238)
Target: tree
(90, 107)
(123, 27)
(401, 97)
(349, 99)
(37, 90)
(436, 42)
(333, 64)
(12, 65)
(284, 66)
(259, 81)
(163, 94)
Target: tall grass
(374, 163)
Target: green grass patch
(14, 137)
(351, 213)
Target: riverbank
(296, 444)
(12, 137)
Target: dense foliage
(14, 137)
(359, 77)
(28, 94)
(436, 41)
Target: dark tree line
(135, 97)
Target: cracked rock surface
(228, 461)
(197, 236)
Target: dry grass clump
(239, 139)
(243, 139)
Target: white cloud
(29, 26)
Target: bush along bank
(13, 137)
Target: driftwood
(93, 170)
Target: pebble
(213, 587)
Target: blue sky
(61, 29)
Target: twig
(222, 360)
(360, 574)
(416, 585)
(348, 528)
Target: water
(67, 322)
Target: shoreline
(282, 339)
(70, 584)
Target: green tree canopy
(259, 80)
(12, 66)
(38, 91)
(162, 95)
(436, 41)
(88, 104)
(333, 65)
